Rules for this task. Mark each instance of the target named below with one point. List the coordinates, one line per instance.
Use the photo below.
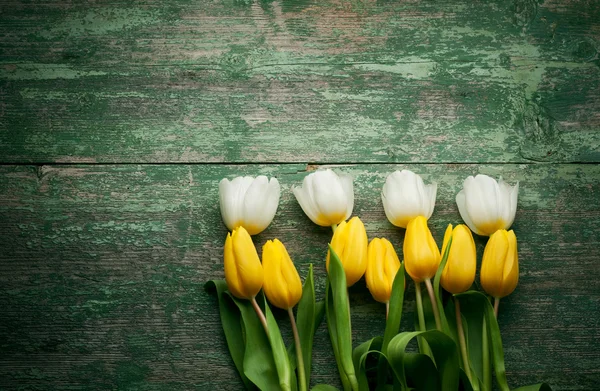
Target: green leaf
(359, 357)
(258, 363)
(232, 327)
(443, 348)
(494, 334)
(333, 335)
(324, 387)
(535, 387)
(472, 314)
(309, 317)
(392, 324)
(421, 373)
(436, 287)
(341, 312)
(280, 354)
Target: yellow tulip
(382, 267)
(282, 284)
(459, 272)
(243, 270)
(500, 264)
(350, 244)
(421, 253)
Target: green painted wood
(102, 270)
(299, 81)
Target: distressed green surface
(299, 81)
(103, 267)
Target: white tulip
(248, 202)
(325, 197)
(486, 205)
(405, 197)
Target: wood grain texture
(102, 271)
(299, 81)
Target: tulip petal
(307, 204)
(347, 182)
(461, 202)
(329, 196)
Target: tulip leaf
(421, 373)
(309, 316)
(232, 326)
(280, 354)
(324, 387)
(341, 313)
(333, 335)
(258, 364)
(443, 348)
(535, 387)
(472, 314)
(493, 330)
(359, 357)
(436, 287)
(392, 324)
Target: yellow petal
(421, 254)
(247, 273)
(282, 284)
(459, 272)
(510, 277)
(492, 264)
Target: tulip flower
(486, 205)
(500, 264)
(249, 202)
(282, 284)
(350, 244)
(382, 266)
(421, 253)
(405, 197)
(325, 197)
(459, 271)
(243, 270)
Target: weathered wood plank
(102, 271)
(299, 81)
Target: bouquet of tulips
(459, 343)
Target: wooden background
(118, 119)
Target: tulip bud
(243, 271)
(350, 244)
(459, 272)
(248, 202)
(382, 266)
(405, 197)
(325, 197)
(282, 284)
(500, 264)
(486, 205)
(421, 253)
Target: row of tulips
(248, 205)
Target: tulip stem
(333, 227)
(387, 309)
(461, 340)
(487, 372)
(299, 359)
(260, 314)
(422, 343)
(496, 305)
(436, 311)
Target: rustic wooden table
(118, 119)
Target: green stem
(334, 227)
(461, 340)
(260, 314)
(487, 372)
(436, 311)
(301, 372)
(387, 309)
(421, 315)
(496, 305)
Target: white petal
(329, 196)
(255, 201)
(348, 186)
(514, 195)
(431, 191)
(227, 203)
(482, 199)
(461, 202)
(306, 202)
